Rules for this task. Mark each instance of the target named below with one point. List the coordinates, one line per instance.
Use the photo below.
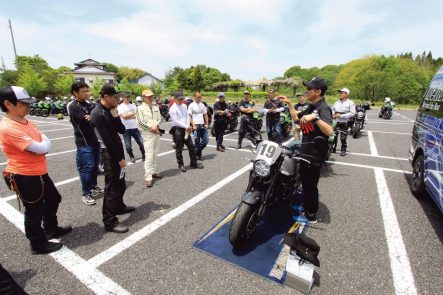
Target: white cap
(138, 98)
(346, 90)
(387, 99)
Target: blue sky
(249, 39)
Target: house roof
(91, 70)
(88, 62)
(150, 75)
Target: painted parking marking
(389, 122)
(372, 146)
(403, 116)
(80, 268)
(368, 167)
(400, 266)
(60, 129)
(388, 132)
(378, 156)
(153, 226)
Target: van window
(432, 103)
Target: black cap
(16, 93)
(317, 83)
(179, 95)
(109, 89)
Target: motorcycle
(358, 122)
(386, 111)
(331, 140)
(286, 122)
(232, 118)
(33, 108)
(164, 109)
(272, 180)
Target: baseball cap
(317, 83)
(109, 89)
(179, 95)
(147, 92)
(221, 94)
(346, 90)
(246, 92)
(16, 93)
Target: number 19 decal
(268, 149)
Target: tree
(131, 74)
(96, 86)
(196, 79)
(31, 81)
(63, 84)
(8, 78)
(111, 67)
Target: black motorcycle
(358, 121)
(232, 118)
(272, 180)
(386, 111)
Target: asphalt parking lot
(375, 237)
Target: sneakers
(97, 191)
(182, 168)
(343, 153)
(88, 200)
(220, 148)
(196, 166)
(48, 247)
(119, 229)
(149, 183)
(312, 218)
(132, 160)
(157, 176)
(200, 158)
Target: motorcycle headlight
(261, 168)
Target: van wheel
(418, 181)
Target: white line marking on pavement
(49, 155)
(57, 138)
(372, 146)
(383, 157)
(388, 122)
(51, 124)
(400, 267)
(44, 131)
(150, 228)
(399, 133)
(63, 182)
(84, 271)
(403, 117)
(369, 167)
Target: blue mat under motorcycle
(262, 251)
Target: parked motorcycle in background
(358, 121)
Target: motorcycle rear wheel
(243, 224)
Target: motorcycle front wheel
(356, 130)
(243, 224)
(45, 113)
(233, 124)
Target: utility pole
(13, 42)
(3, 64)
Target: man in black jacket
(88, 148)
(107, 125)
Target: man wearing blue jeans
(128, 114)
(88, 148)
(199, 121)
(273, 106)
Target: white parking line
(153, 226)
(84, 271)
(383, 157)
(372, 146)
(403, 117)
(57, 138)
(400, 266)
(369, 167)
(389, 122)
(49, 155)
(45, 131)
(388, 132)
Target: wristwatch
(317, 116)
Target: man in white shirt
(343, 111)
(127, 112)
(181, 123)
(199, 122)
